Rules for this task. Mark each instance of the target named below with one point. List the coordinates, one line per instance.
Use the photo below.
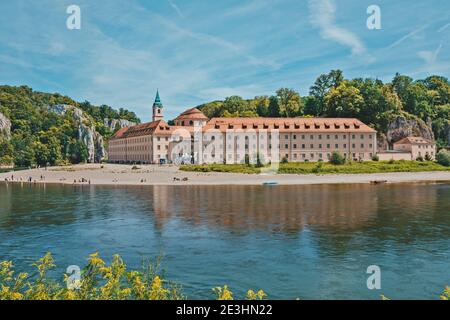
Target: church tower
(157, 108)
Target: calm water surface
(310, 242)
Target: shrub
(284, 160)
(247, 159)
(99, 281)
(443, 158)
(391, 161)
(428, 157)
(337, 158)
(375, 158)
(419, 158)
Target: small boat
(270, 183)
(378, 181)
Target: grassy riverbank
(325, 168)
(99, 281)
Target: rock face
(401, 127)
(86, 132)
(113, 124)
(5, 126)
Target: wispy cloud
(412, 34)
(430, 57)
(444, 27)
(322, 15)
(176, 8)
(250, 7)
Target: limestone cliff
(93, 141)
(5, 126)
(402, 126)
(114, 124)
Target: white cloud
(413, 34)
(430, 57)
(176, 8)
(322, 15)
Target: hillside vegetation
(425, 103)
(40, 136)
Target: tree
(274, 107)
(401, 84)
(235, 104)
(343, 101)
(290, 102)
(337, 158)
(262, 105)
(443, 157)
(319, 90)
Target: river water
(307, 242)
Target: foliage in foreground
(325, 168)
(98, 281)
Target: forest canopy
(40, 136)
(370, 100)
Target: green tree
(344, 101)
(290, 102)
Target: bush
(337, 158)
(98, 281)
(428, 157)
(443, 158)
(284, 160)
(375, 158)
(419, 158)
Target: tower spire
(157, 108)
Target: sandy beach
(112, 174)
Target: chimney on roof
(157, 108)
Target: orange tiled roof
(332, 125)
(291, 124)
(159, 127)
(192, 114)
(414, 140)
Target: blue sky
(196, 51)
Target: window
(295, 146)
(303, 146)
(362, 145)
(286, 137)
(320, 146)
(311, 137)
(295, 137)
(320, 137)
(311, 146)
(336, 146)
(328, 146)
(353, 146)
(362, 136)
(353, 136)
(286, 146)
